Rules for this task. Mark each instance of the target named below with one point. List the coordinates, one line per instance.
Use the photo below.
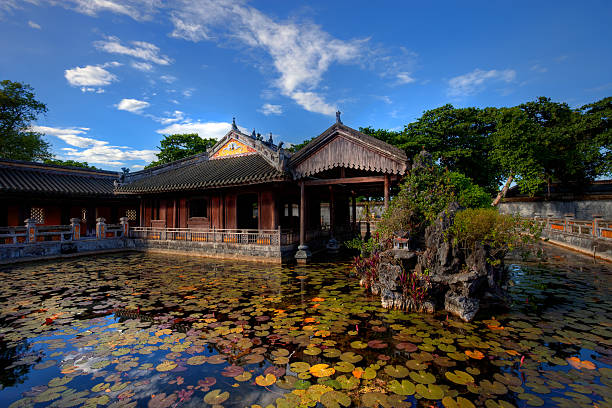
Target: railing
(13, 235)
(232, 236)
(596, 228)
(32, 233)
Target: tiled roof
(207, 174)
(371, 141)
(37, 178)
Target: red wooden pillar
(303, 253)
(332, 209)
(302, 214)
(386, 191)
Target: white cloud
(89, 75)
(142, 66)
(539, 68)
(269, 109)
(68, 135)
(313, 102)
(173, 117)
(140, 49)
(301, 53)
(132, 105)
(188, 92)
(94, 90)
(92, 150)
(136, 9)
(34, 25)
(168, 78)
(215, 130)
(404, 78)
(473, 82)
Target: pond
(142, 330)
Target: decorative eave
(331, 149)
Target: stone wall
(59, 249)
(582, 210)
(598, 247)
(247, 252)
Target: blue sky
(118, 74)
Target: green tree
(458, 138)
(18, 109)
(71, 163)
(296, 147)
(179, 146)
(540, 142)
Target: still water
(136, 330)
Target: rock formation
(459, 280)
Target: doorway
(248, 211)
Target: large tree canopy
(18, 109)
(533, 143)
(179, 146)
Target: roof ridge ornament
(254, 135)
(338, 117)
(234, 127)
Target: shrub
(425, 192)
(502, 233)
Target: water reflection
(156, 331)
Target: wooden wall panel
(215, 212)
(230, 211)
(183, 213)
(267, 212)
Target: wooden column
(174, 216)
(302, 213)
(386, 191)
(141, 220)
(354, 210)
(332, 209)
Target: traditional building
(245, 189)
(247, 183)
(52, 195)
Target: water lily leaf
(416, 365)
(269, 379)
(580, 364)
(475, 354)
(299, 367)
(402, 388)
(312, 351)
(344, 367)
(351, 357)
(431, 391)
(396, 371)
(245, 376)
(348, 383)
(331, 353)
(461, 402)
(422, 377)
(531, 399)
(57, 381)
(369, 373)
(407, 347)
(166, 366)
(459, 377)
(322, 370)
(301, 385)
(216, 397)
(374, 399)
(335, 399)
(220, 359)
(376, 344)
(358, 345)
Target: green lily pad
(401, 388)
(396, 371)
(335, 399)
(431, 391)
